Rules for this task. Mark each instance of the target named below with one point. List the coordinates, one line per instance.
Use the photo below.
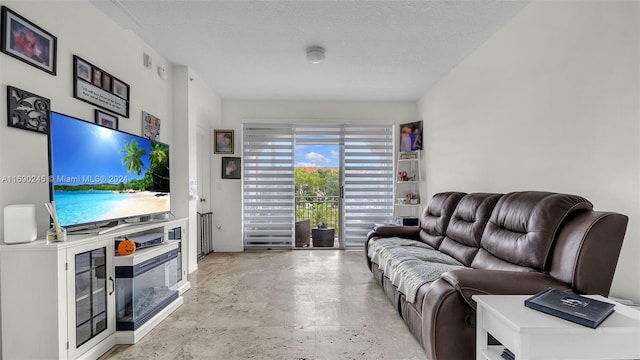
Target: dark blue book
(507, 354)
(575, 308)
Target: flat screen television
(100, 175)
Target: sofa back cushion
(522, 228)
(586, 252)
(436, 215)
(463, 235)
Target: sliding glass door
(268, 187)
(318, 159)
(368, 181)
(359, 159)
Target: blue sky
(317, 155)
(88, 151)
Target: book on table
(572, 307)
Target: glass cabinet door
(91, 309)
(91, 294)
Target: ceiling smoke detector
(315, 54)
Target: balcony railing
(318, 209)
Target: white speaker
(20, 223)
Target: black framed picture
(106, 120)
(28, 111)
(28, 42)
(231, 168)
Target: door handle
(341, 192)
(113, 285)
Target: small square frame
(223, 142)
(106, 120)
(231, 167)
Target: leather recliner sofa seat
(466, 244)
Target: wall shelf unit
(407, 194)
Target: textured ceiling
(375, 50)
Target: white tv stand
(113, 228)
(107, 229)
(45, 289)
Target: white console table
(531, 334)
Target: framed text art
(28, 111)
(106, 120)
(28, 42)
(97, 87)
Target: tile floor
(301, 304)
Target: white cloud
(306, 164)
(317, 158)
(334, 154)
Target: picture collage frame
(97, 87)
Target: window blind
(269, 176)
(268, 186)
(319, 134)
(368, 180)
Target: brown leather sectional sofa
(515, 243)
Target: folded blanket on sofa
(410, 264)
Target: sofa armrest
(471, 282)
(407, 232)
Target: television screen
(99, 174)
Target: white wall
(227, 207)
(550, 102)
(182, 171)
(84, 31)
(196, 106)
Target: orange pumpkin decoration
(126, 247)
